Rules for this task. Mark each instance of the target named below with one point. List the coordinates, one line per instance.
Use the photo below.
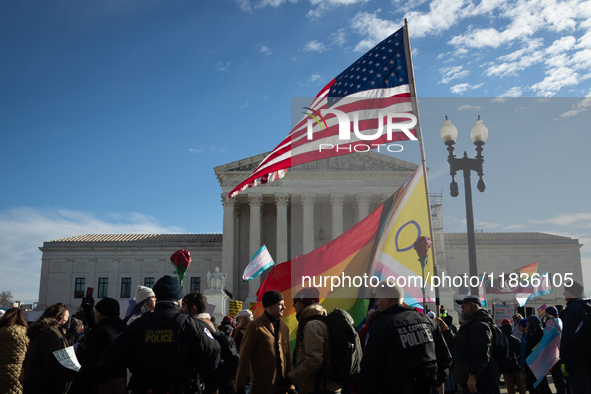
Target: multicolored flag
(544, 287)
(258, 264)
(351, 254)
(511, 282)
(407, 220)
(377, 82)
(545, 354)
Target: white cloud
(244, 105)
(23, 230)
(198, 150)
(468, 107)
(314, 46)
(513, 92)
(581, 220)
(265, 51)
(556, 79)
(513, 227)
(487, 225)
(323, 6)
(315, 78)
(581, 106)
(222, 67)
(339, 37)
(451, 73)
(462, 87)
(559, 46)
(372, 28)
(244, 5)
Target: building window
(125, 287)
(103, 288)
(195, 284)
(79, 288)
(149, 282)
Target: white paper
(67, 358)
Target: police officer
(164, 349)
(405, 351)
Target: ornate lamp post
(479, 134)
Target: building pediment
(362, 161)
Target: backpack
(345, 348)
(226, 370)
(500, 349)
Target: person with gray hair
(404, 348)
(243, 319)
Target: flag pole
(413, 98)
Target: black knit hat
(168, 288)
(271, 298)
(108, 307)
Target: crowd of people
(168, 344)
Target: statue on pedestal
(217, 280)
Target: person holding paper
(44, 374)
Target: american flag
(376, 83)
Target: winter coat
(575, 311)
(92, 371)
(472, 347)
(43, 373)
(403, 346)
(312, 350)
(195, 347)
(257, 355)
(13, 347)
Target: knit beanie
(271, 298)
(108, 307)
(168, 288)
(523, 323)
(577, 289)
(552, 311)
(143, 293)
(307, 296)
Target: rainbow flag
(349, 256)
(545, 354)
(395, 257)
(511, 281)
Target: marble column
(308, 222)
(363, 201)
(228, 243)
(336, 203)
(254, 244)
(281, 201)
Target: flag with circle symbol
(395, 256)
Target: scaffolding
(437, 218)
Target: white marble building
(312, 205)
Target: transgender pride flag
(258, 264)
(545, 354)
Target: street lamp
(479, 133)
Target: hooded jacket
(13, 347)
(311, 351)
(43, 373)
(473, 349)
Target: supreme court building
(313, 204)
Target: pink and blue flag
(258, 264)
(545, 354)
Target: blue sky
(113, 114)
